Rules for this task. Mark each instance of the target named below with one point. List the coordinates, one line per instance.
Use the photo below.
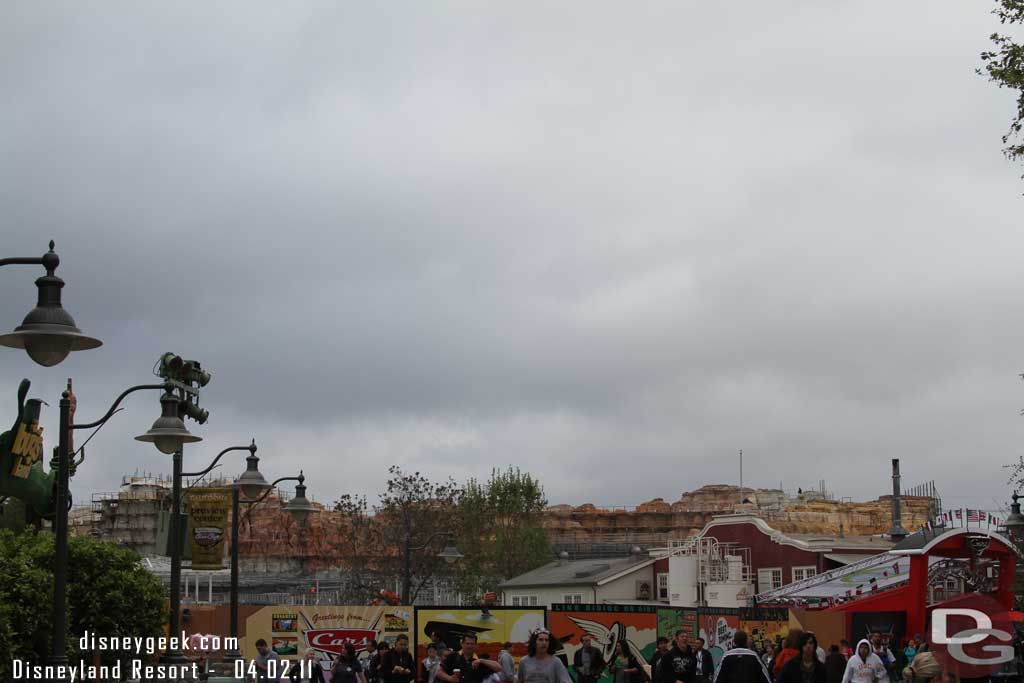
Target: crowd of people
(797, 659)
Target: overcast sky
(612, 243)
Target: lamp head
(251, 483)
(299, 507)
(168, 432)
(48, 333)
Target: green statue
(21, 459)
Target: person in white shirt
(865, 666)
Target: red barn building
(776, 558)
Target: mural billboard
(671, 619)
(291, 630)
(492, 626)
(717, 626)
(765, 625)
(607, 625)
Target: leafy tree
(400, 537)
(502, 534)
(1005, 66)
(12, 514)
(109, 593)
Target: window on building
(573, 598)
(663, 586)
(801, 573)
(769, 579)
(524, 600)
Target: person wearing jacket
(703, 663)
(835, 665)
(865, 666)
(790, 649)
(741, 665)
(587, 661)
(677, 663)
(806, 667)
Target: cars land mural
(765, 626)
(717, 626)
(292, 629)
(672, 619)
(607, 625)
(493, 626)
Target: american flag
(974, 515)
(960, 514)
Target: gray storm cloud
(611, 244)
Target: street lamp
(1015, 521)
(449, 554)
(48, 333)
(168, 432)
(169, 435)
(254, 484)
(58, 656)
(298, 507)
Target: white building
(615, 580)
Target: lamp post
(449, 554)
(254, 484)
(58, 656)
(298, 507)
(168, 434)
(48, 333)
(255, 488)
(1015, 531)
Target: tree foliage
(109, 593)
(404, 527)
(1004, 65)
(502, 535)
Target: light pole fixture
(58, 656)
(48, 333)
(299, 506)
(250, 481)
(449, 554)
(168, 432)
(169, 435)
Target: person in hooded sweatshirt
(865, 666)
(740, 665)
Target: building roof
(921, 542)
(872, 573)
(592, 572)
(845, 558)
(814, 543)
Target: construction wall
(606, 624)
(492, 626)
(765, 626)
(671, 619)
(829, 627)
(291, 629)
(717, 626)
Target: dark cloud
(612, 245)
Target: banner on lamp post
(208, 510)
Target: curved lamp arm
(251, 448)
(273, 485)
(32, 260)
(113, 409)
(430, 540)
